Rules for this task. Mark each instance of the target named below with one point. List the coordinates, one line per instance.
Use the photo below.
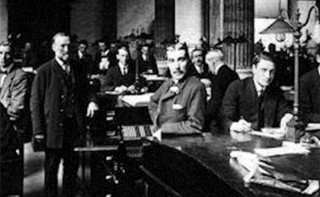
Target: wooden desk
(200, 166)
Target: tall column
(3, 20)
(163, 25)
(238, 20)
(190, 23)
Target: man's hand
(241, 126)
(131, 89)
(121, 89)
(284, 120)
(92, 107)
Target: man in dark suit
(178, 106)
(221, 77)
(58, 107)
(146, 60)
(104, 58)
(198, 68)
(120, 78)
(309, 96)
(255, 102)
(83, 57)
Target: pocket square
(177, 106)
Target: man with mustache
(255, 102)
(178, 106)
(59, 102)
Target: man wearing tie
(13, 97)
(120, 78)
(58, 107)
(255, 102)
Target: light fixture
(281, 26)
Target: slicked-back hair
(262, 56)
(59, 34)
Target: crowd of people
(201, 94)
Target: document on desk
(137, 100)
(283, 150)
(275, 133)
(313, 127)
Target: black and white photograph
(159, 98)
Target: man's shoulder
(46, 66)
(310, 76)
(194, 81)
(225, 70)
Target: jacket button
(60, 124)
(62, 96)
(61, 110)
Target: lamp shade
(280, 26)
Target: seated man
(309, 96)
(178, 106)
(198, 68)
(147, 62)
(120, 78)
(221, 77)
(255, 102)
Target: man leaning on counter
(255, 102)
(178, 106)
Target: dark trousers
(70, 166)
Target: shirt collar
(61, 63)
(258, 87)
(200, 68)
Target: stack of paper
(284, 150)
(137, 100)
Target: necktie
(261, 110)
(125, 70)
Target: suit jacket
(8, 137)
(49, 101)
(114, 78)
(14, 92)
(220, 83)
(241, 100)
(111, 57)
(193, 72)
(309, 96)
(181, 113)
(151, 64)
(86, 61)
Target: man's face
(123, 56)
(197, 58)
(27, 46)
(61, 47)
(5, 56)
(82, 48)
(177, 63)
(264, 72)
(102, 46)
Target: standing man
(178, 106)
(13, 96)
(255, 102)
(221, 77)
(309, 96)
(58, 106)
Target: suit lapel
(6, 84)
(60, 75)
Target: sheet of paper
(283, 150)
(135, 100)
